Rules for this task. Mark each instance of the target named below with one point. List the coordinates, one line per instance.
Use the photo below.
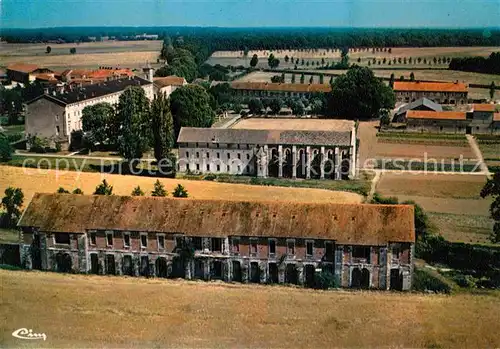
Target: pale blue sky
(251, 13)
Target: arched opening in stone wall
(291, 274)
(329, 165)
(236, 271)
(273, 163)
(216, 270)
(144, 270)
(199, 272)
(396, 282)
(127, 266)
(254, 272)
(309, 275)
(110, 264)
(301, 163)
(273, 273)
(161, 267)
(94, 264)
(360, 278)
(315, 164)
(345, 165)
(178, 270)
(287, 163)
(63, 262)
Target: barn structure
(363, 246)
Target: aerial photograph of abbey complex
(250, 174)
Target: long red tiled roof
(285, 87)
(430, 86)
(169, 81)
(435, 115)
(23, 67)
(484, 107)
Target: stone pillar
(102, 263)
(281, 274)
(206, 269)
(245, 271)
(337, 168)
(205, 244)
(152, 266)
(226, 248)
(266, 162)
(294, 162)
(227, 271)
(308, 162)
(83, 254)
(300, 273)
(263, 272)
(353, 155)
(26, 258)
(187, 270)
(43, 252)
(339, 264)
(118, 264)
(280, 161)
(383, 282)
(322, 163)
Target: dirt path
(478, 155)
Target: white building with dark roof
(322, 149)
(54, 116)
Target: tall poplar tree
(162, 125)
(132, 114)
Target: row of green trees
(104, 188)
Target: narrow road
(478, 155)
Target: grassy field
(129, 54)
(47, 181)
(97, 311)
(463, 227)
(452, 202)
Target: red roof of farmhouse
(484, 107)
(271, 86)
(435, 115)
(22, 67)
(430, 86)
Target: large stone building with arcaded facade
(281, 148)
(363, 246)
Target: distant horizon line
(254, 27)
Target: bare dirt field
(131, 54)
(433, 185)
(418, 151)
(100, 311)
(47, 181)
(294, 124)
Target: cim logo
(24, 333)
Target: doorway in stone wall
(94, 264)
(128, 268)
(236, 271)
(110, 264)
(254, 272)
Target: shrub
(103, 189)
(159, 189)
(78, 191)
(466, 281)
(423, 281)
(210, 177)
(180, 192)
(61, 190)
(137, 191)
(5, 148)
(325, 280)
